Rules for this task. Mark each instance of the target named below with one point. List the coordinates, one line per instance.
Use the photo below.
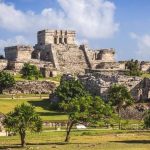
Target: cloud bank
(143, 45)
(90, 18)
(12, 42)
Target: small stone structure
(18, 53)
(56, 37)
(98, 83)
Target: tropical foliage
(30, 71)
(20, 120)
(6, 80)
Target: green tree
(30, 71)
(120, 97)
(80, 106)
(133, 68)
(147, 119)
(20, 120)
(6, 80)
(68, 90)
(85, 110)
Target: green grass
(41, 106)
(103, 140)
(146, 75)
(18, 77)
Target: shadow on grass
(40, 144)
(5, 147)
(50, 113)
(45, 104)
(133, 141)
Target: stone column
(57, 40)
(63, 40)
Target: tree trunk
(22, 136)
(69, 127)
(119, 118)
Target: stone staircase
(71, 58)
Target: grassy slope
(146, 75)
(42, 107)
(18, 77)
(97, 140)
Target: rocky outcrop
(31, 87)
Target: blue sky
(120, 24)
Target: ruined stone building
(56, 51)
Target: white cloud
(13, 41)
(90, 18)
(143, 44)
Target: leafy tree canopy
(30, 71)
(6, 80)
(20, 120)
(80, 106)
(70, 89)
(86, 109)
(119, 96)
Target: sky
(120, 24)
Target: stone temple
(56, 52)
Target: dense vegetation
(133, 68)
(30, 71)
(68, 90)
(120, 97)
(147, 119)
(6, 80)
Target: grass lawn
(56, 79)
(80, 140)
(146, 75)
(42, 107)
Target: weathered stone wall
(31, 87)
(18, 53)
(98, 84)
(56, 37)
(17, 65)
(145, 66)
(3, 64)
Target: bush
(30, 71)
(133, 68)
(6, 80)
(147, 120)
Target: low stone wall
(31, 87)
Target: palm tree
(20, 120)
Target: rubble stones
(31, 87)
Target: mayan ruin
(57, 51)
(74, 75)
